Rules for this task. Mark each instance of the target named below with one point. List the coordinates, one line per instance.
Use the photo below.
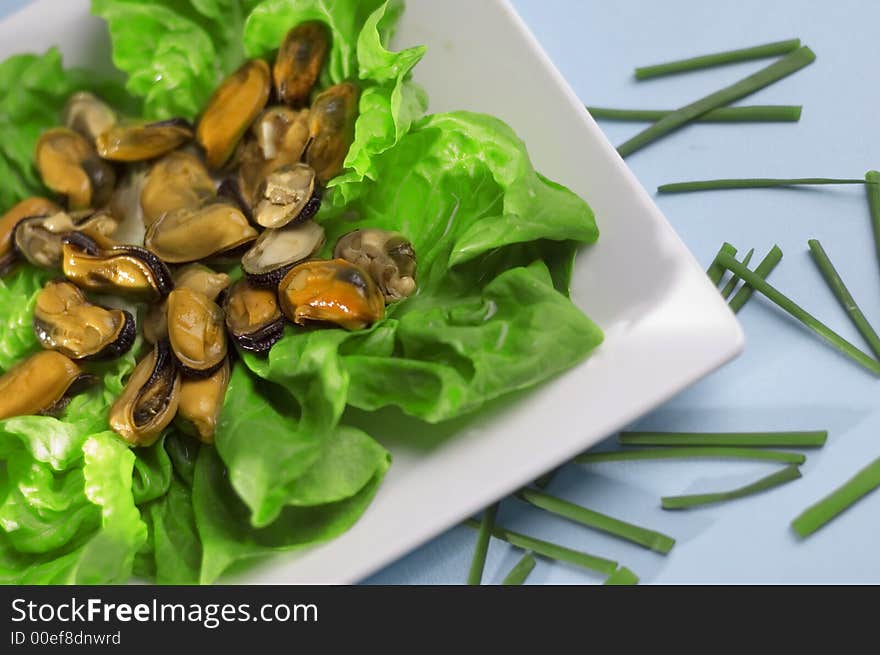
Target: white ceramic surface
(665, 325)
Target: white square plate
(665, 325)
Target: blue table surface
(787, 379)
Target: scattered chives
(622, 576)
(551, 550)
(655, 541)
(718, 59)
(734, 279)
(787, 474)
(716, 270)
(544, 481)
(746, 114)
(762, 270)
(861, 484)
(752, 183)
(835, 340)
(692, 453)
(873, 190)
(844, 297)
(680, 117)
(805, 439)
(520, 572)
(475, 575)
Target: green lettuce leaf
(152, 472)
(18, 295)
(176, 545)
(170, 59)
(224, 521)
(97, 491)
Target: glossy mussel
(140, 142)
(69, 166)
(232, 109)
(299, 62)
(276, 251)
(253, 317)
(196, 332)
(39, 239)
(192, 234)
(330, 291)
(150, 398)
(29, 207)
(388, 257)
(64, 320)
(40, 384)
(128, 271)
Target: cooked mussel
(196, 332)
(388, 257)
(192, 276)
(177, 181)
(287, 195)
(331, 291)
(282, 134)
(299, 62)
(89, 115)
(40, 384)
(140, 142)
(199, 277)
(253, 317)
(331, 129)
(276, 251)
(200, 403)
(69, 165)
(149, 400)
(128, 271)
(188, 235)
(39, 239)
(278, 138)
(27, 208)
(64, 320)
(231, 110)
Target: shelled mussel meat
(128, 271)
(40, 384)
(253, 317)
(330, 291)
(149, 399)
(64, 320)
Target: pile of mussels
(244, 184)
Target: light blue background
(787, 378)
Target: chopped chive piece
(706, 452)
(716, 270)
(763, 270)
(520, 572)
(808, 439)
(734, 279)
(787, 474)
(748, 114)
(475, 575)
(551, 550)
(752, 183)
(834, 339)
(861, 484)
(718, 59)
(655, 541)
(873, 189)
(776, 71)
(844, 297)
(546, 479)
(622, 576)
